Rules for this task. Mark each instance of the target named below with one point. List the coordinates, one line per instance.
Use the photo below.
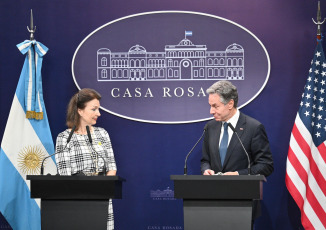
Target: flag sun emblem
(30, 159)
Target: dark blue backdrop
(147, 154)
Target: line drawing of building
(162, 193)
(184, 61)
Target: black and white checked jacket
(79, 156)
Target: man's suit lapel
(234, 142)
(216, 145)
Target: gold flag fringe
(34, 115)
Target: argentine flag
(188, 33)
(26, 141)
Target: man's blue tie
(224, 143)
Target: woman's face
(89, 115)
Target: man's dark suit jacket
(253, 135)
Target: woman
(80, 156)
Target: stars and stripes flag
(26, 141)
(306, 161)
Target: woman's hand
(111, 173)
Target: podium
(75, 202)
(218, 202)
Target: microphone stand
(185, 167)
(68, 140)
(233, 129)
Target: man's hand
(209, 172)
(231, 173)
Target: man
(222, 151)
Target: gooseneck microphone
(89, 135)
(185, 167)
(68, 140)
(233, 129)
(91, 142)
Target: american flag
(306, 167)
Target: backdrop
(147, 154)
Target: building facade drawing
(184, 61)
(166, 193)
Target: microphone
(233, 129)
(89, 135)
(185, 167)
(91, 141)
(68, 140)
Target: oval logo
(156, 66)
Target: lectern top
(76, 187)
(242, 187)
(72, 178)
(219, 177)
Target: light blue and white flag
(188, 33)
(26, 141)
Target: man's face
(220, 111)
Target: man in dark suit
(222, 151)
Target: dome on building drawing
(103, 51)
(185, 42)
(137, 49)
(234, 48)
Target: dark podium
(75, 202)
(218, 202)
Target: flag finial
(32, 29)
(319, 22)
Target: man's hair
(226, 90)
